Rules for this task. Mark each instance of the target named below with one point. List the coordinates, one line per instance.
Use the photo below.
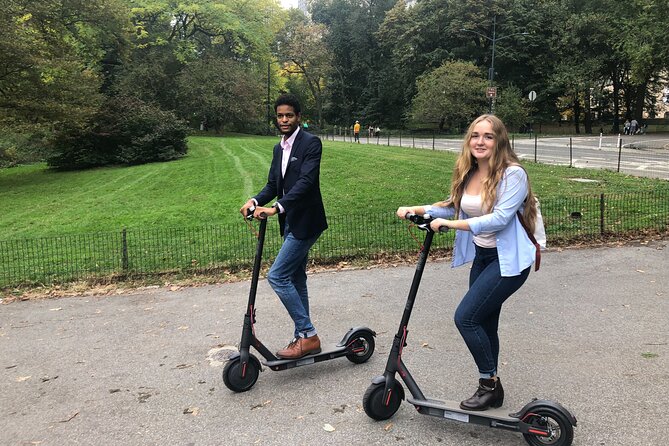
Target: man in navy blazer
(294, 180)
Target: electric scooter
(542, 422)
(241, 371)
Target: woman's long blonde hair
(502, 157)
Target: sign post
(491, 94)
(532, 96)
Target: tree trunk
(639, 101)
(616, 101)
(588, 112)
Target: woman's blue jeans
(477, 316)
(288, 279)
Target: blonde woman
(488, 188)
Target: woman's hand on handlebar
(403, 211)
(438, 223)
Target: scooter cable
(252, 228)
(413, 236)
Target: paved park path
(590, 330)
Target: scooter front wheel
(361, 347)
(561, 432)
(238, 379)
(378, 406)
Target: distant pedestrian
(356, 131)
(626, 127)
(634, 127)
(377, 131)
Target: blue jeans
(477, 316)
(288, 279)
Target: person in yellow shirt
(356, 131)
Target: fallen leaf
(183, 327)
(20, 379)
(640, 271)
(192, 410)
(70, 418)
(258, 406)
(388, 426)
(328, 428)
(55, 309)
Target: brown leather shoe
(300, 347)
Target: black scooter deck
(331, 352)
(452, 411)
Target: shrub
(125, 131)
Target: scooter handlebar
(249, 212)
(423, 221)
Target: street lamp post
(493, 39)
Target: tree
(54, 57)
(450, 96)
(511, 107)
(221, 94)
(353, 83)
(302, 49)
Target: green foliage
(307, 61)
(511, 107)
(357, 62)
(221, 94)
(125, 131)
(53, 54)
(449, 96)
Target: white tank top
(472, 206)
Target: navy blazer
(299, 190)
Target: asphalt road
(641, 155)
(589, 330)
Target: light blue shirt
(514, 248)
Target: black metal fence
(210, 249)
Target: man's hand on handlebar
(247, 209)
(262, 213)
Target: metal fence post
(620, 151)
(535, 148)
(570, 152)
(601, 214)
(124, 250)
(432, 139)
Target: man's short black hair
(288, 99)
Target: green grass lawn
(208, 186)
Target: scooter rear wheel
(232, 376)
(374, 404)
(361, 347)
(562, 432)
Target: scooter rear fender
(349, 334)
(536, 405)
